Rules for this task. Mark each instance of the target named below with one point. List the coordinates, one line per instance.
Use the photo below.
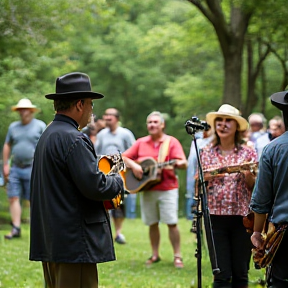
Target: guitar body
(105, 165)
(112, 164)
(149, 179)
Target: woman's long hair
(238, 138)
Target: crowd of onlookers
(58, 163)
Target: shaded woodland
(183, 58)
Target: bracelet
(256, 232)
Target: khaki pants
(70, 275)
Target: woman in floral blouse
(229, 195)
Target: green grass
(128, 271)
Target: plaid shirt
(227, 195)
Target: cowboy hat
(74, 85)
(24, 104)
(228, 111)
(280, 100)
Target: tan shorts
(159, 206)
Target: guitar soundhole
(146, 170)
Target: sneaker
(120, 239)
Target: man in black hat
(70, 228)
(270, 195)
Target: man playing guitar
(160, 202)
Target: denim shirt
(270, 194)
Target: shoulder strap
(163, 151)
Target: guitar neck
(163, 164)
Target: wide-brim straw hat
(228, 111)
(25, 104)
(74, 85)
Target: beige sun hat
(228, 111)
(24, 104)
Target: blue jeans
(19, 182)
(189, 203)
(130, 206)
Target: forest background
(181, 57)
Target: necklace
(227, 152)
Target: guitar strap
(163, 152)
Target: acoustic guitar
(150, 177)
(109, 164)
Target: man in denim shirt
(270, 194)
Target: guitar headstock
(109, 164)
(118, 163)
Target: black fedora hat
(74, 85)
(280, 100)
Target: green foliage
(143, 56)
(133, 58)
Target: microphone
(194, 125)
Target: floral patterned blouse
(227, 195)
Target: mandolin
(151, 175)
(110, 164)
(238, 168)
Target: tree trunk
(231, 34)
(263, 90)
(231, 38)
(232, 80)
(284, 85)
(251, 98)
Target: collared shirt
(145, 147)
(270, 194)
(227, 195)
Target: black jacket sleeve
(92, 183)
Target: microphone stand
(202, 211)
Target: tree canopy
(178, 57)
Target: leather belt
(22, 166)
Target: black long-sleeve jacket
(69, 223)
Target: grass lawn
(128, 271)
